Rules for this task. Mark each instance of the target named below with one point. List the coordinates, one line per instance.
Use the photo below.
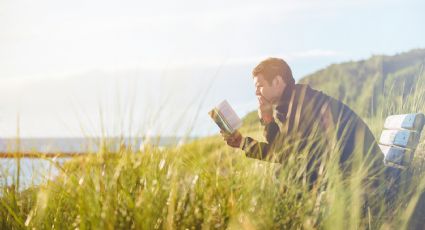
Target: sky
(90, 68)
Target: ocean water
(36, 171)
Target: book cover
(225, 117)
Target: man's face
(268, 92)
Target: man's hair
(271, 67)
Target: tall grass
(207, 185)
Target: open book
(225, 117)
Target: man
(297, 119)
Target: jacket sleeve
(260, 150)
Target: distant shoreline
(84, 144)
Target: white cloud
(250, 60)
(59, 38)
(314, 53)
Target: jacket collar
(281, 109)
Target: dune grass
(205, 184)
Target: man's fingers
(265, 107)
(229, 139)
(232, 139)
(224, 134)
(265, 110)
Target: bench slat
(412, 121)
(396, 156)
(402, 138)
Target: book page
(229, 115)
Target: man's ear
(277, 80)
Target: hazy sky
(149, 66)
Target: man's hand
(265, 111)
(234, 140)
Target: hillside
(366, 85)
(363, 85)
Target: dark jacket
(309, 120)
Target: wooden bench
(398, 142)
(400, 138)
